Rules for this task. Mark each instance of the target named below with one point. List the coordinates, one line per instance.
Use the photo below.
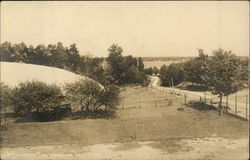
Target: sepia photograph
(124, 80)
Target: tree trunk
(220, 105)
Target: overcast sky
(140, 28)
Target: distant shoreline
(173, 58)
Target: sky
(146, 29)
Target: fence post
(140, 102)
(227, 101)
(200, 99)
(135, 128)
(185, 99)
(205, 96)
(235, 103)
(122, 114)
(246, 107)
(122, 103)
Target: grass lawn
(140, 120)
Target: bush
(110, 97)
(149, 71)
(88, 96)
(5, 93)
(133, 76)
(36, 98)
(174, 72)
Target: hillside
(14, 73)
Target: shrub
(38, 98)
(5, 93)
(149, 71)
(174, 72)
(88, 96)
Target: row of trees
(151, 71)
(124, 69)
(221, 73)
(117, 70)
(55, 56)
(86, 97)
(43, 101)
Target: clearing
(146, 127)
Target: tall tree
(140, 64)
(73, 58)
(194, 68)
(115, 63)
(6, 51)
(172, 72)
(221, 74)
(155, 70)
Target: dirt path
(174, 149)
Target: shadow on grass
(201, 106)
(98, 114)
(61, 114)
(194, 88)
(171, 146)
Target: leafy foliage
(124, 70)
(88, 96)
(56, 56)
(194, 68)
(5, 95)
(149, 71)
(174, 72)
(36, 96)
(155, 70)
(222, 72)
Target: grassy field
(137, 121)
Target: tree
(58, 56)
(155, 70)
(73, 58)
(165, 81)
(5, 101)
(221, 74)
(133, 76)
(115, 63)
(110, 97)
(41, 55)
(88, 96)
(148, 71)
(6, 52)
(140, 64)
(36, 97)
(243, 69)
(172, 72)
(194, 68)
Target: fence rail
(235, 106)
